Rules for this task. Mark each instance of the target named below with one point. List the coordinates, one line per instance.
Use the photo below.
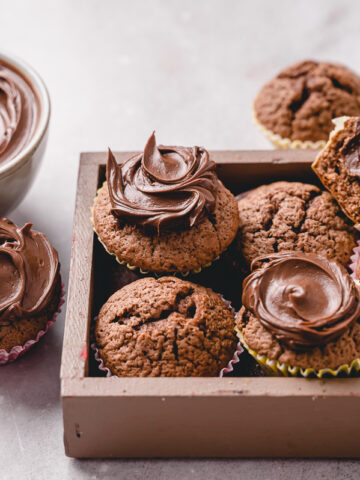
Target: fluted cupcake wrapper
(98, 358)
(19, 350)
(139, 269)
(278, 369)
(236, 359)
(354, 260)
(287, 143)
(223, 372)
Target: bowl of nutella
(24, 120)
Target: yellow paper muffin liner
(136, 267)
(277, 369)
(287, 143)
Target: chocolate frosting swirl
(18, 113)
(29, 268)
(350, 151)
(163, 187)
(304, 300)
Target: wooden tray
(247, 416)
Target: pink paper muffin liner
(19, 350)
(223, 372)
(236, 359)
(354, 259)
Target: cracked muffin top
(165, 327)
(300, 102)
(293, 216)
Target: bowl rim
(38, 85)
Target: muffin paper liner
(19, 350)
(139, 269)
(223, 372)
(277, 369)
(230, 366)
(286, 143)
(98, 358)
(354, 260)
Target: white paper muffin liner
(223, 372)
(19, 350)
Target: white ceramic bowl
(17, 175)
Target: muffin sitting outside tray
(293, 216)
(300, 315)
(165, 327)
(295, 109)
(30, 286)
(338, 166)
(165, 210)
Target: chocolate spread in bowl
(19, 112)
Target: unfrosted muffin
(165, 327)
(300, 315)
(293, 216)
(295, 108)
(30, 285)
(165, 210)
(338, 166)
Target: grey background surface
(116, 70)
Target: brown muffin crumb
(19, 331)
(176, 251)
(300, 102)
(331, 169)
(341, 351)
(293, 216)
(165, 327)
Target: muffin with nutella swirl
(165, 210)
(30, 287)
(300, 314)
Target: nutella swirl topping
(163, 187)
(29, 270)
(19, 113)
(350, 151)
(304, 300)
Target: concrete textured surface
(116, 70)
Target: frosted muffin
(165, 210)
(295, 109)
(301, 314)
(30, 285)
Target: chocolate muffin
(293, 216)
(300, 315)
(165, 327)
(295, 108)
(165, 210)
(30, 284)
(338, 166)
